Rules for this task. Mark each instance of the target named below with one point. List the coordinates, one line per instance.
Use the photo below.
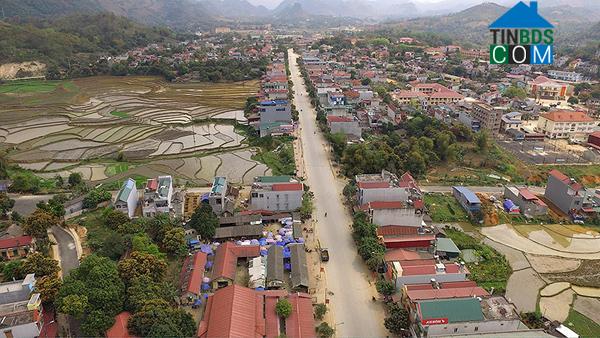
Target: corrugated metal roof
(126, 189)
(446, 245)
(299, 267)
(274, 179)
(301, 322)
(275, 264)
(456, 310)
(226, 258)
(469, 195)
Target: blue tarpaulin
(260, 288)
(206, 248)
(198, 302)
(193, 242)
(263, 252)
(287, 266)
(208, 264)
(262, 241)
(205, 286)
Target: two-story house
(157, 196)
(127, 198)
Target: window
(476, 328)
(254, 194)
(261, 195)
(455, 329)
(8, 334)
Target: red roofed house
(237, 311)
(529, 204)
(386, 187)
(437, 290)
(345, 125)
(276, 196)
(566, 124)
(226, 261)
(566, 194)
(16, 247)
(428, 94)
(119, 329)
(398, 236)
(191, 275)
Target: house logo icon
(522, 36)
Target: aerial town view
(299, 168)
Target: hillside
(471, 25)
(350, 8)
(59, 42)
(173, 13)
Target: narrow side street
(348, 277)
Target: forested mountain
(61, 41)
(173, 13)
(471, 25)
(351, 8)
(234, 9)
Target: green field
(34, 86)
(117, 168)
(581, 324)
(444, 208)
(120, 114)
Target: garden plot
(71, 144)
(557, 307)
(58, 166)
(209, 165)
(33, 166)
(234, 167)
(237, 115)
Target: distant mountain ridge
(375, 9)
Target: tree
(397, 321)
(55, 205)
(324, 330)
(144, 288)
(174, 242)
(283, 308)
(158, 226)
(114, 218)
(96, 323)
(385, 287)
(365, 82)
(369, 247)
(96, 278)
(573, 100)
(482, 141)
(40, 265)
(74, 305)
(13, 270)
(141, 264)
(6, 204)
(38, 223)
(416, 164)
(157, 319)
(75, 179)
(204, 221)
(142, 243)
(320, 310)
(513, 91)
(95, 197)
(48, 286)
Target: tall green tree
(204, 221)
(397, 320)
(39, 222)
(6, 204)
(157, 318)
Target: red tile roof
(382, 205)
(287, 187)
(567, 116)
(237, 311)
(417, 262)
(559, 175)
(396, 230)
(234, 311)
(418, 270)
(192, 273)
(527, 194)
(119, 329)
(419, 204)
(395, 255)
(333, 118)
(152, 184)
(226, 257)
(409, 238)
(9, 243)
(446, 293)
(373, 185)
(301, 322)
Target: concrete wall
(269, 200)
(556, 192)
(29, 330)
(406, 217)
(382, 194)
(473, 327)
(348, 128)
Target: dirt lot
(516, 258)
(546, 152)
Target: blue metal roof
(469, 195)
(521, 16)
(274, 103)
(218, 184)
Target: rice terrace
(107, 128)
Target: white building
(157, 196)
(276, 196)
(566, 124)
(565, 76)
(127, 198)
(20, 309)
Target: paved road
(355, 313)
(25, 205)
(66, 250)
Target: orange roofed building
(237, 311)
(566, 124)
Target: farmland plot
(152, 125)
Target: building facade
(566, 124)
(127, 198)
